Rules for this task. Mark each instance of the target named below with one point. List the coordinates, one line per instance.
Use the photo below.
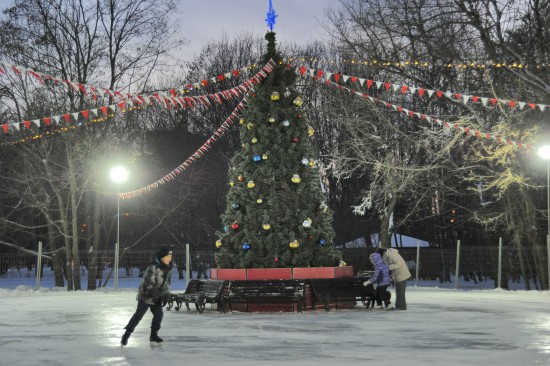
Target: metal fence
(478, 267)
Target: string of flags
(422, 92)
(172, 101)
(96, 92)
(430, 119)
(199, 153)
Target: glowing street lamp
(119, 174)
(544, 152)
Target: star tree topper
(270, 20)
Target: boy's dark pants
(140, 312)
(380, 295)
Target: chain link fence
(478, 267)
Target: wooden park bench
(334, 290)
(199, 292)
(266, 292)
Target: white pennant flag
(412, 89)
(378, 84)
(430, 92)
(15, 125)
(94, 111)
(542, 107)
(345, 78)
(395, 87)
(448, 94)
(521, 105)
(361, 81)
(56, 119)
(36, 122)
(466, 99)
(484, 101)
(75, 116)
(328, 75)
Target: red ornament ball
(276, 259)
(235, 226)
(295, 139)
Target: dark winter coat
(381, 274)
(155, 283)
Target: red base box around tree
(280, 273)
(283, 274)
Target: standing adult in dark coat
(152, 295)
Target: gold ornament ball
(266, 226)
(250, 125)
(310, 131)
(296, 179)
(275, 96)
(259, 200)
(271, 119)
(251, 184)
(241, 121)
(254, 140)
(294, 244)
(218, 243)
(298, 102)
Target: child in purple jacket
(381, 278)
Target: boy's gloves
(366, 283)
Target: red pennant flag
(47, 121)
(404, 89)
(204, 82)
(457, 96)
(337, 77)
(475, 98)
(532, 105)
(319, 74)
(400, 109)
(421, 92)
(512, 104)
(85, 114)
(235, 73)
(493, 101)
(302, 70)
(27, 124)
(104, 110)
(353, 79)
(220, 77)
(121, 105)
(439, 93)
(5, 128)
(67, 117)
(369, 84)
(388, 86)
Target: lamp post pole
(117, 235)
(119, 174)
(544, 152)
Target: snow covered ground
(441, 327)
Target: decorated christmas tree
(276, 214)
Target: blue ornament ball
(322, 242)
(246, 246)
(235, 206)
(257, 158)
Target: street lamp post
(119, 174)
(544, 152)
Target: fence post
(457, 262)
(417, 261)
(499, 281)
(38, 265)
(187, 265)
